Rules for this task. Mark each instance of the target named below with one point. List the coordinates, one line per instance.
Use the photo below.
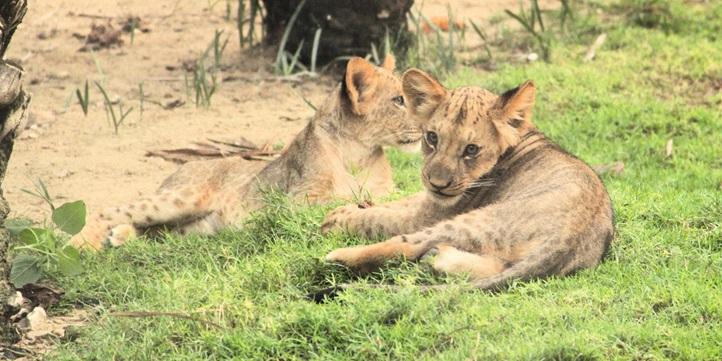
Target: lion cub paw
(121, 234)
(341, 255)
(340, 218)
(92, 237)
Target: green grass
(657, 296)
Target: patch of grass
(656, 296)
(434, 50)
(247, 22)
(83, 98)
(203, 84)
(116, 117)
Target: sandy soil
(79, 157)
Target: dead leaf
(212, 149)
(174, 104)
(614, 169)
(669, 148)
(102, 37)
(131, 23)
(42, 294)
(38, 325)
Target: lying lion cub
(338, 155)
(503, 202)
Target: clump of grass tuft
(533, 23)
(116, 119)
(663, 14)
(247, 24)
(83, 98)
(286, 63)
(204, 82)
(435, 51)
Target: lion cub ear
(389, 62)
(422, 92)
(360, 84)
(515, 108)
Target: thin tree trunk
(349, 27)
(13, 110)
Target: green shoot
(281, 63)
(118, 118)
(41, 191)
(83, 98)
(314, 50)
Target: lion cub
(338, 154)
(503, 202)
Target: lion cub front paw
(92, 237)
(340, 218)
(121, 234)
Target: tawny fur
(520, 208)
(338, 155)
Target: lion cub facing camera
(502, 202)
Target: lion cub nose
(439, 184)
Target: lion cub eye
(471, 150)
(399, 100)
(432, 138)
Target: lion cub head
(373, 107)
(466, 130)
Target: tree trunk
(13, 110)
(349, 27)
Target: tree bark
(14, 103)
(349, 27)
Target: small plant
(217, 48)
(203, 84)
(116, 119)
(41, 191)
(242, 20)
(484, 38)
(653, 13)
(83, 98)
(286, 62)
(533, 23)
(42, 251)
(314, 50)
(97, 66)
(435, 51)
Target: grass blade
(314, 50)
(287, 31)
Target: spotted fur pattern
(338, 155)
(512, 206)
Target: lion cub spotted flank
(338, 155)
(502, 203)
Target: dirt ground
(80, 157)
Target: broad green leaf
(69, 261)
(70, 217)
(25, 269)
(16, 225)
(34, 236)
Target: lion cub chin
(503, 202)
(338, 155)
